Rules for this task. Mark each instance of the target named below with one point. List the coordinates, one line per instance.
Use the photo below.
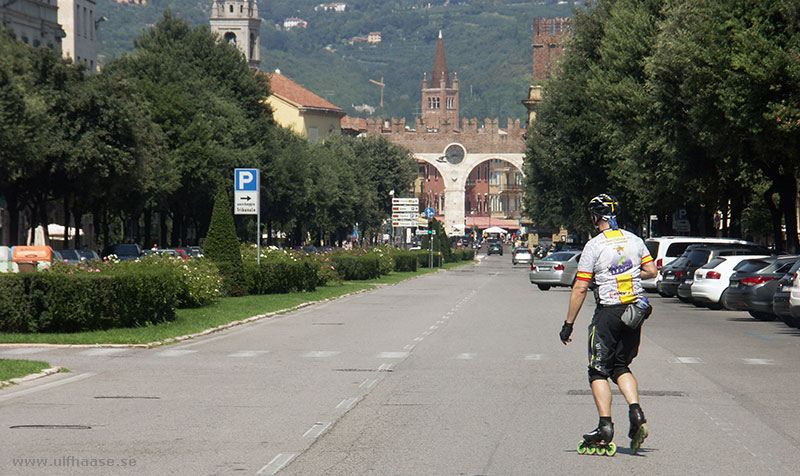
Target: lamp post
(391, 221)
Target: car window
(677, 249)
(698, 257)
(750, 265)
(713, 263)
(560, 256)
(780, 266)
(70, 254)
(652, 247)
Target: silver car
(521, 255)
(556, 269)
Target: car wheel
(762, 316)
(683, 299)
(544, 287)
(716, 306)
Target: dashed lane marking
(392, 355)
(759, 361)
(466, 356)
(347, 403)
(248, 353)
(321, 354)
(277, 463)
(534, 357)
(175, 353)
(368, 383)
(317, 429)
(101, 352)
(687, 360)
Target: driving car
(555, 269)
(753, 291)
(713, 278)
(521, 255)
(495, 248)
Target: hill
(487, 42)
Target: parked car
(495, 248)
(70, 256)
(123, 251)
(88, 255)
(555, 269)
(794, 300)
(753, 291)
(712, 279)
(521, 255)
(697, 256)
(665, 249)
(780, 300)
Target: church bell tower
(440, 94)
(237, 21)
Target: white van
(664, 249)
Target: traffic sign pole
(246, 197)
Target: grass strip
(227, 310)
(13, 368)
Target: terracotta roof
(354, 123)
(287, 89)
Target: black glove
(566, 331)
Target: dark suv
(678, 279)
(495, 248)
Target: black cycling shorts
(612, 344)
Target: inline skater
(617, 260)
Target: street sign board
(246, 191)
(405, 216)
(425, 232)
(405, 208)
(404, 223)
(405, 201)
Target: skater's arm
(576, 298)
(649, 270)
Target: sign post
(246, 198)
(405, 212)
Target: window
(313, 135)
(77, 20)
(451, 103)
(231, 8)
(91, 24)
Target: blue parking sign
(246, 180)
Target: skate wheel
(581, 448)
(591, 450)
(611, 450)
(601, 451)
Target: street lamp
(391, 220)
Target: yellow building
(297, 108)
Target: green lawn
(190, 321)
(12, 368)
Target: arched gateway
(471, 175)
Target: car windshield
(523, 250)
(560, 256)
(698, 257)
(70, 254)
(713, 263)
(750, 265)
(126, 250)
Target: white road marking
(433, 327)
(385, 367)
(175, 353)
(392, 355)
(321, 354)
(248, 353)
(418, 339)
(409, 347)
(26, 350)
(465, 356)
(368, 383)
(46, 386)
(277, 463)
(108, 351)
(686, 360)
(316, 429)
(427, 333)
(440, 321)
(347, 403)
(759, 361)
(534, 357)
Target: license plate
(544, 268)
(688, 281)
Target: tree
(222, 247)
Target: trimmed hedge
(274, 277)
(405, 261)
(52, 302)
(356, 268)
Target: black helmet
(604, 207)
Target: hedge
(405, 261)
(273, 277)
(53, 302)
(355, 268)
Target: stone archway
(493, 189)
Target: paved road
(455, 373)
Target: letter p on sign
(246, 180)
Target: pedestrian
(617, 260)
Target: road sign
(405, 216)
(404, 223)
(405, 208)
(405, 201)
(246, 191)
(430, 212)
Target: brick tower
(440, 95)
(237, 21)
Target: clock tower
(237, 21)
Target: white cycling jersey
(614, 259)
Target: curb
(29, 377)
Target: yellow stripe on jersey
(613, 234)
(625, 288)
(647, 259)
(584, 276)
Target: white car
(712, 279)
(665, 249)
(794, 299)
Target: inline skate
(599, 441)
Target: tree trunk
(148, 228)
(162, 220)
(13, 218)
(787, 190)
(775, 213)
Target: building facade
(469, 173)
(302, 111)
(35, 22)
(237, 21)
(549, 35)
(77, 18)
